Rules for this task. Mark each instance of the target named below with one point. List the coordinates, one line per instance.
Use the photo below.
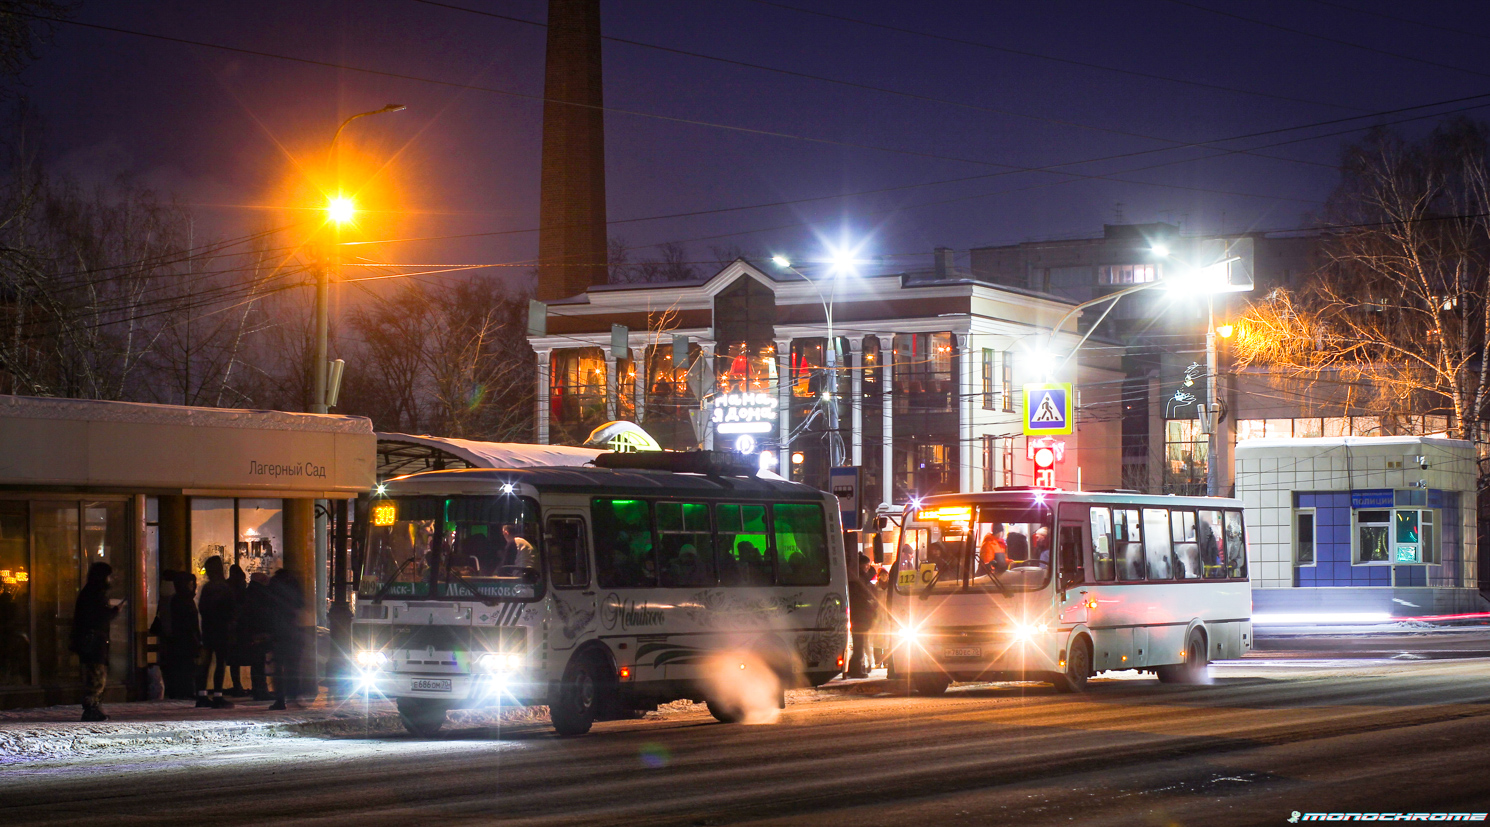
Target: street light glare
(781, 261)
(1160, 250)
(340, 209)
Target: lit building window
(1127, 273)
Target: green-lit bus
(598, 591)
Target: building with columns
(917, 382)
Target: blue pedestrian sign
(1047, 409)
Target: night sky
(236, 136)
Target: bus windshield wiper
(388, 584)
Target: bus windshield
(452, 547)
(1013, 548)
(1002, 548)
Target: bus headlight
(494, 662)
(908, 635)
(370, 659)
(1025, 632)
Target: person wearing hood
(216, 609)
(91, 618)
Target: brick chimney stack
(572, 245)
(942, 261)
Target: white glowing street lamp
(1188, 280)
(841, 261)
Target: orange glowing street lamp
(340, 210)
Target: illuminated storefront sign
(744, 413)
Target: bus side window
(801, 544)
(1236, 546)
(1208, 535)
(1156, 543)
(1186, 549)
(1103, 568)
(624, 531)
(685, 544)
(1127, 536)
(568, 553)
(1071, 537)
(744, 545)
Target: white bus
(598, 591)
(1039, 584)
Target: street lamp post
(1210, 287)
(339, 211)
(841, 263)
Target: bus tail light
(626, 673)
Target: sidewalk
(178, 726)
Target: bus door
(573, 605)
(1112, 636)
(1074, 542)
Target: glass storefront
(40, 579)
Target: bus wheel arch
(1078, 664)
(1197, 658)
(587, 692)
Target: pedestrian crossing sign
(1047, 409)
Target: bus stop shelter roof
(400, 454)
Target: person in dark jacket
(863, 610)
(256, 632)
(91, 617)
(287, 602)
(216, 611)
(237, 657)
(184, 641)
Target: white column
(540, 414)
(968, 370)
(887, 408)
(709, 385)
(612, 377)
(856, 400)
(784, 405)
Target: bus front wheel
(1078, 668)
(578, 701)
(420, 717)
(1193, 669)
(930, 684)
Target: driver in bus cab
(519, 554)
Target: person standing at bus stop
(286, 602)
(216, 610)
(92, 615)
(863, 610)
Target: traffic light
(1045, 452)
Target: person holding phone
(91, 617)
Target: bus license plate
(963, 652)
(425, 685)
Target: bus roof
(1054, 495)
(587, 480)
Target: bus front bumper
(1002, 654)
(461, 690)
